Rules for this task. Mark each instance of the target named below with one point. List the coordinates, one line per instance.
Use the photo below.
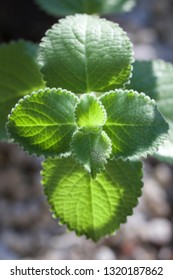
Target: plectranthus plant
(90, 123)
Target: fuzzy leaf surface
(155, 78)
(19, 75)
(89, 112)
(97, 207)
(43, 122)
(66, 7)
(84, 53)
(134, 125)
(91, 149)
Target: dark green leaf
(155, 78)
(19, 75)
(66, 7)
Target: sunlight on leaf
(134, 125)
(85, 53)
(43, 122)
(91, 149)
(89, 112)
(97, 207)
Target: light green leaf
(155, 78)
(43, 122)
(134, 125)
(19, 75)
(85, 53)
(89, 112)
(91, 149)
(97, 207)
(66, 7)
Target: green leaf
(134, 125)
(91, 149)
(66, 7)
(19, 75)
(43, 122)
(117, 6)
(89, 112)
(97, 207)
(85, 53)
(165, 152)
(155, 78)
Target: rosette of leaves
(90, 130)
(66, 7)
(19, 75)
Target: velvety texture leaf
(155, 78)
(97, 207)
(89, 112)
(134, 125)
(91, 149)
(66, 7)
(85, 53)
(19, 75)
(43, 122)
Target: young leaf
(43, 122)
(155, 78)
(19, 75)
(134, 125)
(85, 53)
(66, 7)
(91, 149)
(97, 207)
(89, 112)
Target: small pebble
(104, 253)
(157, 231)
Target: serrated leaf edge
(61, 21)
(21, 100)
(90, 95)
(111, 232)
(136, 93)
(160, 140)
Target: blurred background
(27, 229)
